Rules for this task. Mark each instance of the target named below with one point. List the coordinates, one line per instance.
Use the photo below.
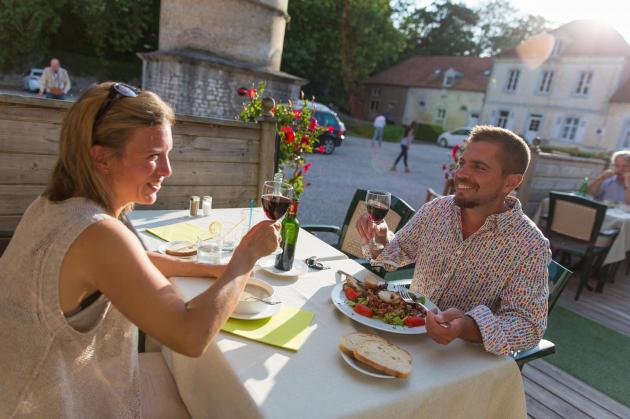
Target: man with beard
(477, 256)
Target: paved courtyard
(356, 164)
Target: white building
(570, 87)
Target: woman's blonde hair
(74, 174)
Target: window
(545, 83)
(569, 130)
(376, 91)
(373, 105)
(512, 80)
(440, 114)
(502, 120)
(449, 81)
(534, 124)
(584, 83)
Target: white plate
(267, 264)
(364, 368)
(341, 302)
(268, 312)
(162, 249)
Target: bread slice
(350, 342)
(182, 249)
(385, 357)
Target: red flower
(330, 129)
(321, 149)
(305, 139)
(251, 93)
(297, 113)
(454, 152)
(289, 135)
(242, 91)
(312, 126)
(307, 167)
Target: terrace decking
(551, 392)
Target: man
(379, 125)
(477, 256)
(614, 184)
(54, 81)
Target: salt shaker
(206, 204)
(194, 205)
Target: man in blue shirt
(614, 184)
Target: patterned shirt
(498, 275)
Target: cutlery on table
(410, 299)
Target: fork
(407, 298)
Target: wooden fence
(228, 160)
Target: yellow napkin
(179, 231)
(288, 328)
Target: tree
(502, 26)
(442, 28)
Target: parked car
(451, 138)
(326, 117)
(30, 81)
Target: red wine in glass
(377, 204)
(275, 206)
(377, 211)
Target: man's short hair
(514, 150)
(625, 154)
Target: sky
(614, 12)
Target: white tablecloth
(615, 218)
(239, 378)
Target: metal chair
(431, 195)
(573, 228)
(558, 278)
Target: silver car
(30, 81)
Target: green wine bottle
(584, 188)
(289, 235)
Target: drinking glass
(377, 204)
(276, 197)
(209, 249)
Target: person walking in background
(379, 125)
(405, 143)
(54, 81)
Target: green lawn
(593, 353)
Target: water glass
(206, 205)
(209, 249)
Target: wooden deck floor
(552, 393)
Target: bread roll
(351, 341)
(182, 249)
(385, 357)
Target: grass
(590, 352)
(392, 132)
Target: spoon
(271, 303)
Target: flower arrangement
(298, 131)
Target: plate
(162, 249)
(267, 264)
(341, 302)
(268, 312)
(361, 367)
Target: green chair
(558, 278)
(348, 240)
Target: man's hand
(606, 174)
(365, 226)
(453, 318)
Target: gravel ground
(356, 165)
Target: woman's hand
(261, 240)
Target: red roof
(585, 37)
(422, 71)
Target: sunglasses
(117, 91)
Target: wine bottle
(289, 234)
(584, 188)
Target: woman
(405, 143)
(74, 279)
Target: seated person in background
(613, 184)
(75, 280)
(477, 255)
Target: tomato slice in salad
(350, 294)
(363, 310)
(414, 321)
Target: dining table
(237, 377)
(617, 217)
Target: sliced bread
(181, 249)
(351, 341)
(385, 357)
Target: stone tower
(210, 48)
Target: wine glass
(276, 198)
(378, 204)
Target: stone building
(210, 48)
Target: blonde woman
(75, 280)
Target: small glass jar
(194, 205)
(206, 205)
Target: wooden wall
(226, 159)
(553, 172)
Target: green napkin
(179, 231)
(288, 328)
